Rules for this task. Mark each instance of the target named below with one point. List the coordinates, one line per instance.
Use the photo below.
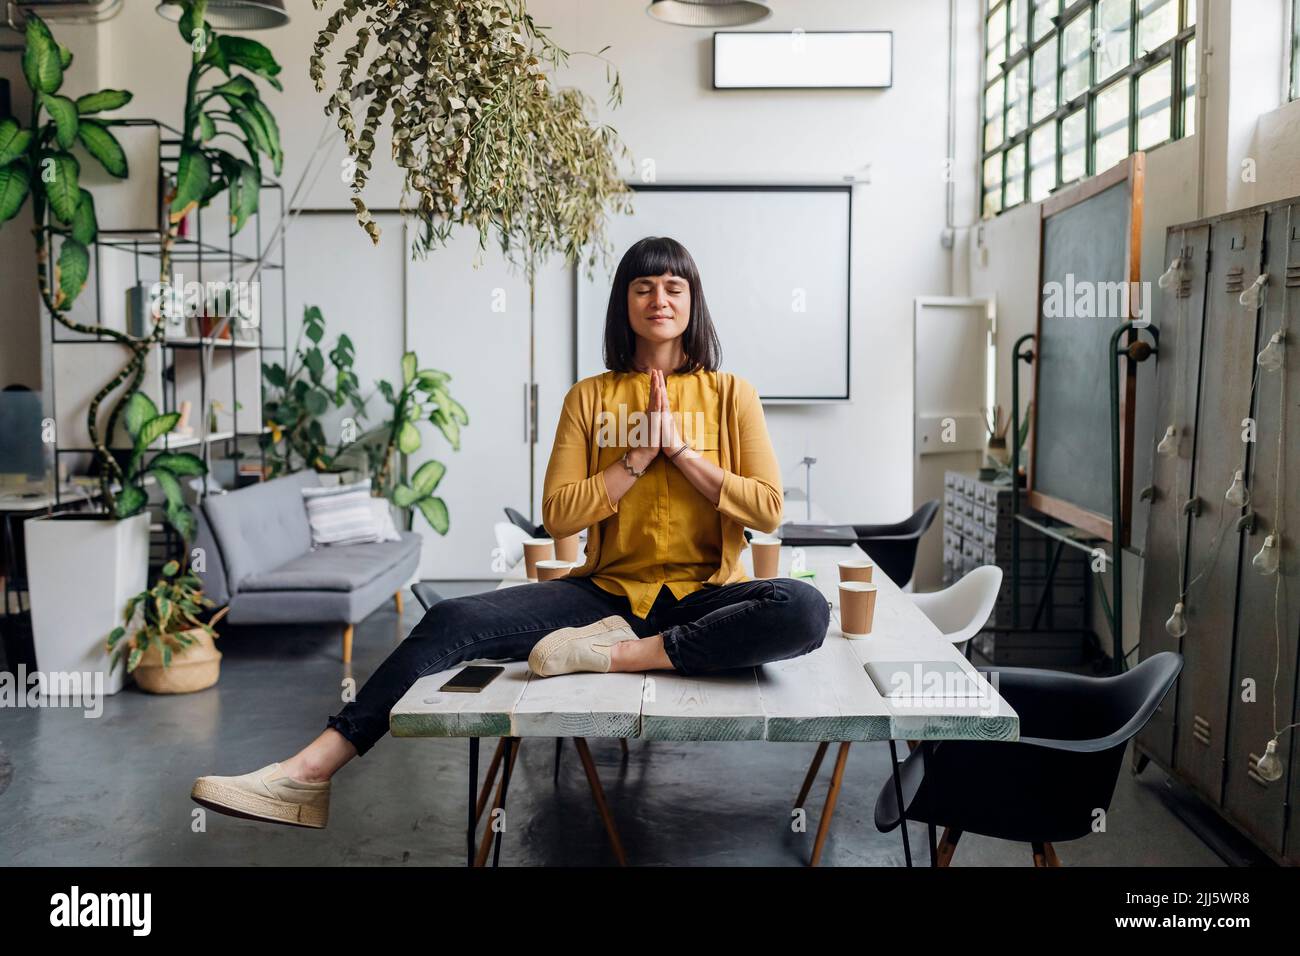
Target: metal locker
(1265, 645)
(1182, 310)
(1213, 542)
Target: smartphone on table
(472, 679)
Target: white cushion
(341, 514)
(384, 520)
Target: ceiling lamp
(709, 13)
(235, 14)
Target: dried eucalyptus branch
(484, 138)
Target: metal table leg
(926, 750)
(472, 825)
(505, 789)
(898, 794)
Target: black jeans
(717, 628)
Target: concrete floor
(115, 790)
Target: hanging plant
(484, 139)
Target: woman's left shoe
(572, 649)
(268, 794)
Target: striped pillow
(341, 514)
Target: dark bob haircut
(653, 256)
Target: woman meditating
(665, 460)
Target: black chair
(1046, 787)
(519, 521)
(893, 546)
(425, 594)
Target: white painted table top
(826, 695)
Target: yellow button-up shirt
(663, 531)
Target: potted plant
(112, 549)
(38, 161)
(163, 640)
(298, 393)
(232, 109)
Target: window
(1295, 49)
(1071, 87)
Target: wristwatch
(628, 465)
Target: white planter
(80, 574)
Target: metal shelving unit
(178, 369)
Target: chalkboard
(1089, 262)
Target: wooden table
(823, 696)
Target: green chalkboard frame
(1132, 173)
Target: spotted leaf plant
(164, 617)
(170, 469)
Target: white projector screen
(774, 265)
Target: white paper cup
(767, 557)
(550, 569)
(857, 608)
(537, 549)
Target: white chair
(962, 610)
(510, 542)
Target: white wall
(693, 134)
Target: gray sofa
(259, 560)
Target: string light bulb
(1171, 275)
(1169, 444)
(1272, 356)
(1250, 298)
(1266, 560)
(1237, 495)
(1269, 766)
(1177, 624)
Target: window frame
(1173, 49)
(1294, 92)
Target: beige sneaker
(573, 649)
(267, 794)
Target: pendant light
(1237, 495)
(1177, 624)
(234, 14)
(1269, 767)
(1250, 298)
(1171, 275)
(1272, 356)
(709, 13)
(1266, 560)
